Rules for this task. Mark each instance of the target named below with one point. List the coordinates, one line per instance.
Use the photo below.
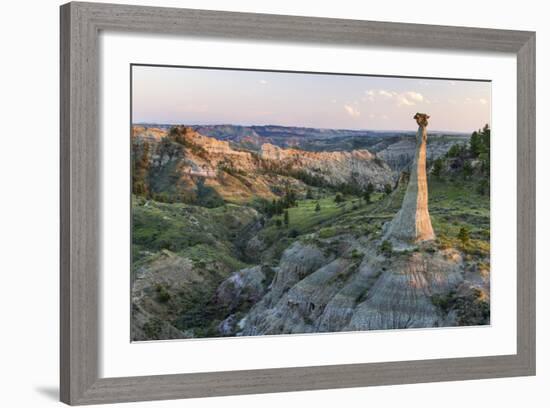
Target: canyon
(234, 238)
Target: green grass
(203, 256)
(456, 204)
(208, 234)
(305, 219)
(202, 234)
(353, 216)
(453, 205)
(304, 216)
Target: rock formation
(180, 156)
(412, 223)
(328, 294)
(339, 167)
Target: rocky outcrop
(146, 326)
(213, 146)
(359, 166)
(155, 292)
(367, 292)
(179, 157)
(238, 292)
(401, 297)
(246, 286)
(151, 134)
(297, 310)
(298, 261)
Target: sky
(178, 95)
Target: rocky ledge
(365, 289)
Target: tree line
(467, 160)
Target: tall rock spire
(412, 223)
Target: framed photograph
(260, 203)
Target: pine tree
(317, 207)
(286, 218)
(438, 168)
(467, 170)
(368, 193)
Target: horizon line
(297, 126)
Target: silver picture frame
(81, 24)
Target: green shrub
(437, 168)
(355, 254)
(472, 310)
(443, 302)
(162, 294)
(293, 233)
(367, 195)
(386, 248)
(152, 329)
(327, 232)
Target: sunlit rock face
(181, 156)
(412, 223)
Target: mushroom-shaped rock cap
(421, 119)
